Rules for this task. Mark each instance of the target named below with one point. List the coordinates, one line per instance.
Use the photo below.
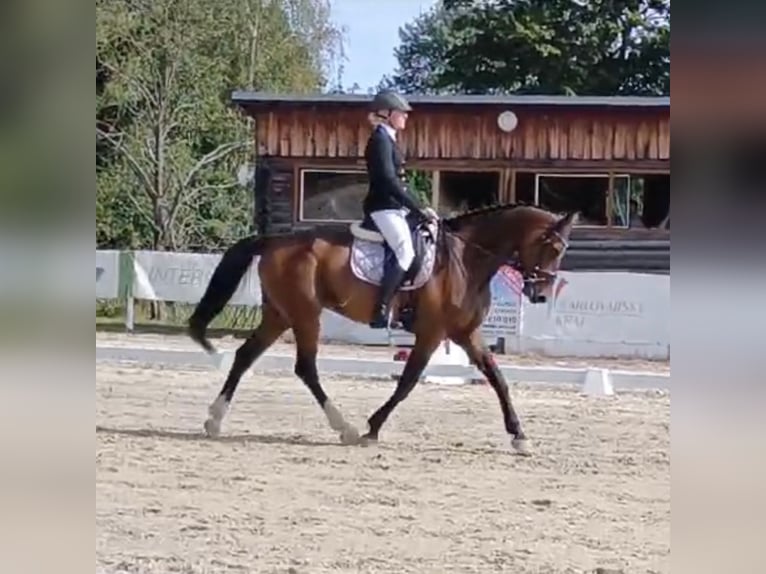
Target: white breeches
(394, 229)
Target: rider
(388, 201)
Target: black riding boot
(393, 276)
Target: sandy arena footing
(441, 492)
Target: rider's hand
(429, 214)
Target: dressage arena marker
(619, 380)
(448, 354)
(597, 383)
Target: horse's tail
(223, 284)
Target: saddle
(370, 253)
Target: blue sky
(372, 33)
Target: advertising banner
(504, 317)
(607, 310)
(107, 274)
(183, 277)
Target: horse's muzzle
(532, 291)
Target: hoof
(368, 440)
(349, 435)
(522, 446)
(212, 428)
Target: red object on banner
(513, 278)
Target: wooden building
(607, 157)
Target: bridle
(537, 274)
(530, 276)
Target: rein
(478, 247)
(536, 275)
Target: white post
(127, 272)
(435, 190)
(130, 314)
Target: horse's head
(531, 239)
(540, 252)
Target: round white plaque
(507, 121)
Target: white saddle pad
(367, 263)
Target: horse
(447, 295)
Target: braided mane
(457, 222)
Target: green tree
(422, 53)
(598, 47)
(168, 143)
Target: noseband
(537, 274)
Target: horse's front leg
(474, 346)
(425, 345)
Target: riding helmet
(390, 100)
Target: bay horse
(303, 272)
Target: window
(338, 194)
(655, 196)
(625, 206)
(420, 184)
(586, 193)
(332, 195)
(461, 191)
(641, 201)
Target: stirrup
(384, 321)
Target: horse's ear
(566, 221)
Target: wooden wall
(449, 137)
(640, 135)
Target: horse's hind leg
(271, 327)
(426, 342)
(306, 344)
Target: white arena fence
(592, 314)
(444, 368)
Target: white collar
(389, 130)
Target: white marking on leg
(348, 434)
(217, 410)
(334, 416)
(522, 446)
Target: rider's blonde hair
(377, 118)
